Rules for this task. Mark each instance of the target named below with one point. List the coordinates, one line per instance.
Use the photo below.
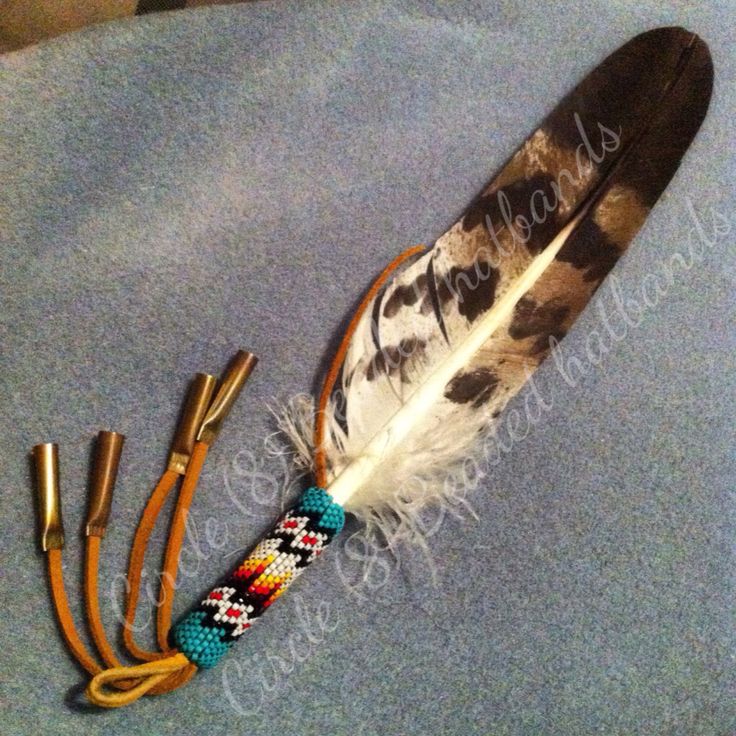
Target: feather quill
(452, 337)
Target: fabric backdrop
(180, 185)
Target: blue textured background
(175, 187)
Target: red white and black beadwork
(298, 538)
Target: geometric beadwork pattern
(205, 634)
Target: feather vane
(453, 336)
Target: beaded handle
(206, 633)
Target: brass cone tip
(240, 367)
(198, 401)
(108, 448)
(46, 460)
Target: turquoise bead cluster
(203, 645)
(317, 501)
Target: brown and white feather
(596, 165)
